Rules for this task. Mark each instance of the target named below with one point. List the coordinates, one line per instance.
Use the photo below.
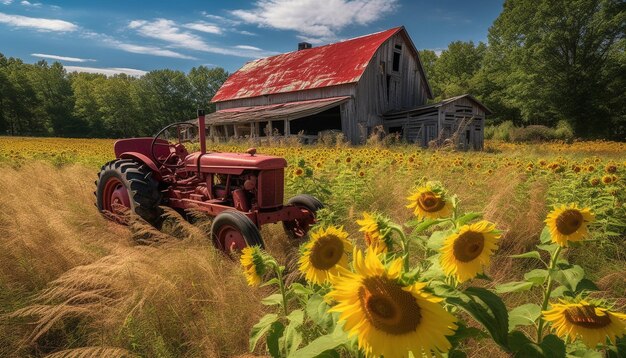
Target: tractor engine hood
(232, 163)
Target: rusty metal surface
(274, 112)
(329, 65)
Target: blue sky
(137, 36)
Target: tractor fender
(142, 158)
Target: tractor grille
(271, 188)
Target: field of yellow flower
(515, 250)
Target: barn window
(396, 61)
(398, 46)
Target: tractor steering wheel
(176, 151)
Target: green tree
(204, 84)
(428, 58)
(550, 60)
(163, 97)
(116, 107)
(86, 108)
(19, 100)
(55, 95)
(454, 70)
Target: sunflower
(324, 254)
(253, 264)
(389, 318)
(587, 321)
(568, 223)
(594, 181)
(430, 201)
(377, 232)
(298, 172)
(607, 179)
(465, 253)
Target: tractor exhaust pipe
(202, 131)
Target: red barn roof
(329, 65)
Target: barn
(351, 86)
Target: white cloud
(39, 24)
(313, 20)
(6, 2)
(204, 27)
(246, 47)
(107, 71)
(62, 58)
(132, 48)
(149, 50)
(170, 32)
(30, 4)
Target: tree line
(43, 100)
(545, 61)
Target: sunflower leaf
(273, 339)
(259, 329)
(293, 337)
(488, 309)
(524, 315)
(467, 218)
(436, 240)
(527, 255)
(515, 286)
(561, 291)
(545, 237)
(569, 277)
(272, 300)
(586, 285)
(324, 345)
(536, 276)
(423, 225)
(317, 310)
(300, 289)
(273, 281)
(548, 247)
(552, 347)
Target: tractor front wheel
(125, 185)
(298, 228)
(232, 231)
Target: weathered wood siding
(381, 89)
(455, 113)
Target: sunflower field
(514, 251)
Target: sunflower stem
(546, 294)
(281, 285)
(404, 242)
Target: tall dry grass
(74, 284)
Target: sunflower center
(326, 252)
(468, 246)
(430, 203)
(585, 316)
(569, 221)
(388, 307)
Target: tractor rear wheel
(232, 231)
(298, 228)
(124, 185)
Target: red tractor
(242, 191)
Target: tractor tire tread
(142, 188)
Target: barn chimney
(304, 46)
